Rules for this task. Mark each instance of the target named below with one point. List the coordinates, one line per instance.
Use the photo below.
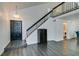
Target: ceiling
(20, 5)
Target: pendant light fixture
(16, 16)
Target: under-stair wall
(54, 29)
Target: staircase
(62, 8)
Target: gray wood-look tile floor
(16, 44)
(52, 48)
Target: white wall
(55, 31)
(72, 19)
(71, 24)
(4, 29)
(32, 14)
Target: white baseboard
(30, 43)
(1, 52)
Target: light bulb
(16, 16)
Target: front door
(16, 30)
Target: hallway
(62, 48)
(56, 18)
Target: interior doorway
(15, 30)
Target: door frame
(10, 27)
